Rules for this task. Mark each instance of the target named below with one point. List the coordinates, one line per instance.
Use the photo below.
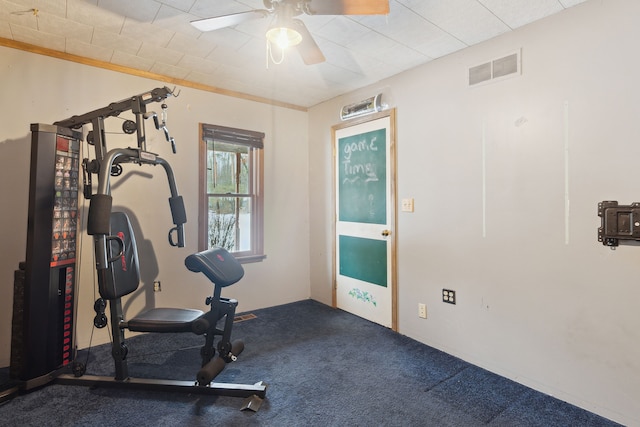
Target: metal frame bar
(218, 389)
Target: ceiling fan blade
(217, 22)
(348, 7)
(308, 49)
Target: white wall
(559, 316)
(39, 89)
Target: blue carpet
(324, 367)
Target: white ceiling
(155, 36)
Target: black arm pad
(217, 264)
(99, 218)
(177, 210)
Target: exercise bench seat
(122, 277)
(220, 267)
(165, 320)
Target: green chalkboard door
(364, 173)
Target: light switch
(407, 205)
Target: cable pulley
(129, 127)
(116, 170)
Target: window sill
(249, 258)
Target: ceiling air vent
(496, 69)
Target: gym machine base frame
(254, 393)
(217, 389)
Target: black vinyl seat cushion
(164, 320)
(217, 264)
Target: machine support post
(99, 141)
(118, 348)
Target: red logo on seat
(122, 258)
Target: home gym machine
(43, 347)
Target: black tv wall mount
(618, 222)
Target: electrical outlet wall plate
(407, 205)
(449, 296)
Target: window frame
(255, 141)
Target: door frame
(392, 177)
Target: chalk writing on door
(362, 178)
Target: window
(231, 175)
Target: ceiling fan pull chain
(270, 55)
(266, 53)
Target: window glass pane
(244, 228)
(230, 223)
(222, 222)
(228, 168)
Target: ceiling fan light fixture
(283, 36)
(282, 32)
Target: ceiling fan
(288, 31)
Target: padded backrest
(123, 275)
(217, 264)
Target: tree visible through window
(231, 191)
